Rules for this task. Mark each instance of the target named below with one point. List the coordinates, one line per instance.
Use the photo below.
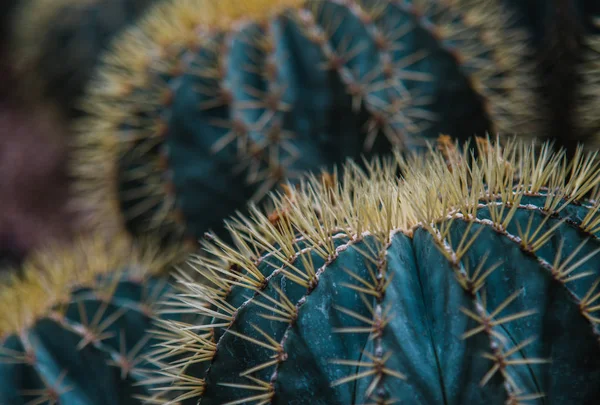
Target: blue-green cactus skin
(243, 110)
(49, 363)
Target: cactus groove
(204, 105)
(472, 278)
(74, 328)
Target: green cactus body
(57, 43)
(74, 330)
(468, 280)
(204, 106)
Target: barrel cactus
(57, 43)
(472, 278)
(74, 324)
(204, 105)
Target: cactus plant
(588, 108)
(203, 105)
(472, 278)
(57, 43)
(564, 43)
(74, 324)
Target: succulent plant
(74, 324)
(203, 106)
(57, 43)
(471, 278)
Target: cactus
(588, 108)
(74, 324)
(57, 43)
(203, 106)
(472, 278)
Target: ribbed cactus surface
(57, 43)
(203, 105)
(472, 278)
(74, 327)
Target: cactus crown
(436, 226)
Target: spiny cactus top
(473, 279)
(73, 326)
(57, 43)
(204, 105)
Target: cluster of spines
(323, 219)
(135, 88)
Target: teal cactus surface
(74, 328)
(56, 44)
(473, 278)
(204, 106)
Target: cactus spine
(471, 279)
(205, 105)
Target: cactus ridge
(467, 279)
(197, 80)
(74, 324)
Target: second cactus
(203, 106)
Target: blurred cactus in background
(203, 106)
(56, 44)
(48, 51)
(564, 37)
(75, 324)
